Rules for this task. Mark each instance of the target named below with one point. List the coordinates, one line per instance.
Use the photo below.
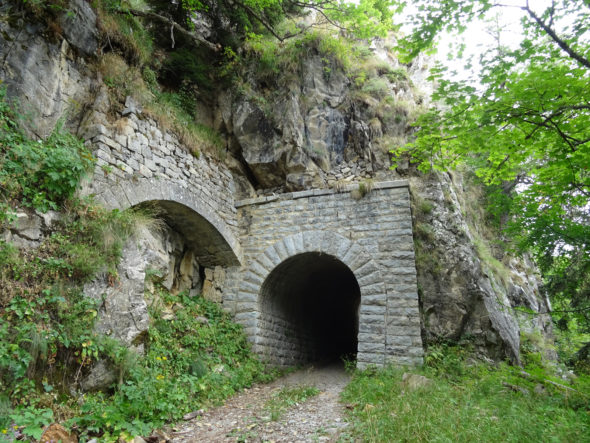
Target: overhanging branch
(197, 39)
(560, 42)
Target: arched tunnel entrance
(310, 304)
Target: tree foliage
(525, 129)
(365, 18)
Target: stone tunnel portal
(310, 305)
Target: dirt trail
(244, 417)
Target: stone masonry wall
(137, 162)
(284, 343)
(372, 235)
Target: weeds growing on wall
(467, 401)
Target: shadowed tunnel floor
(318, 297)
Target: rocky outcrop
(150, 259)
(296, 143)
(27, 228)
(466, 292)
(319, 122)
(47, 76)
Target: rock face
(148, 257)
(78, 23)
(319, 122)
(28, 228)
(465, 291)
(306, 134)
(47, 77)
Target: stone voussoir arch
(354, 256)
(177, 201)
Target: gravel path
(244, 417)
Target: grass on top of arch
(466, 403)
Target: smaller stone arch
(340, 254)
(185, 211)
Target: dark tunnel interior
(318, 297)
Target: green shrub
(198, 358)
(41, 174)
(33, 421)
(376, 86)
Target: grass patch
(124, 33)
(376, 86)
(271, 61)
(364, 188)
(485, 254)
(287, 397)
(467, 403)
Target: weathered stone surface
(57, 433)
(79, 26)
(101, 376)
(28, 228)
(44, 77)
(306, 135)
(415, 381)
(123, 313)
(466, 297)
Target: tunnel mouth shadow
(210, 246)
(310, 309)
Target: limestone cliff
(315, 125)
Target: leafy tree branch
(525, 130)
